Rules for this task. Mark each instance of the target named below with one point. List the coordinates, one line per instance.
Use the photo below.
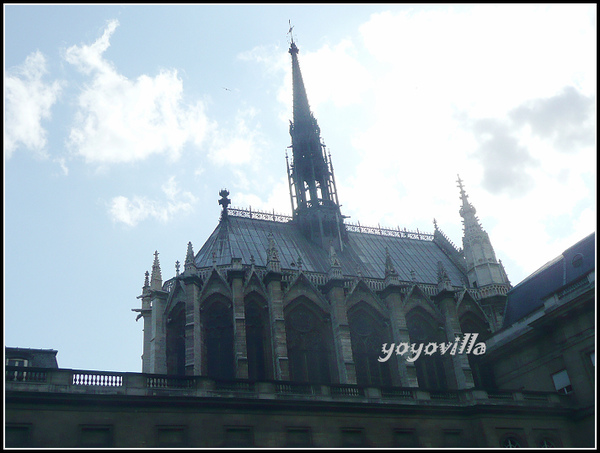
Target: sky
(123, 122)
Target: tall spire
(314, 198)
(483, 269)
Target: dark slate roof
(241, 237)
(528, 295)
(43, 358)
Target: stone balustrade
(139, 384)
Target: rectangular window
(16, 375)
(298, 437)
(95, 435)
(353, 437)
(239, 436)
(14, 361)
(405, 438)
(562, 383)
(171, 436)
(453, 438)
(17, 435)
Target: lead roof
(364, 254)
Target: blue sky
(122, 123)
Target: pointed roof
(301, 108)
(365, 253)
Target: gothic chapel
(311, 298)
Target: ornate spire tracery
(312, 184)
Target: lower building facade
(79, 409)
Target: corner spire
(156, 278)
(483, 269)
(189, 257)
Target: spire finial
(177, 268)
(290, 31)
(156, 278)
(224, 201)
(146, 279)
(189, 257)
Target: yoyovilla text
(464, 345)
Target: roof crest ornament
(224, 201)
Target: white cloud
(134, 210)
(239, 145)
(28, 101)
(431, 77)
(123, 120)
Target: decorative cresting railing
(257, 214)
(358, 228)
(250, 213)
(493, 290)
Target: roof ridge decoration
(273, 263)
(335, 269)
(225, 202)
(257, 214)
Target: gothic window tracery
(176, 340)
(218, 343)
(258, 341)
(430, 368)
(367, 334)
(309, 345)
(482, 375)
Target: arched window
(511, 441)
(176, 340)
(218, 344)
(430, 368)
(367, 333)
(310, 344)
(258, 340)
(483, 376)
